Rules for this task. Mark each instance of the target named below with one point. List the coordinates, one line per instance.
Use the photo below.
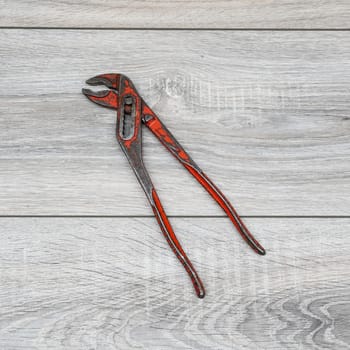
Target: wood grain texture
(265, 114)
(176, 14)
(114, 284)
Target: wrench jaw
(110, 80)
(105, 98)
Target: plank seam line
(184, 216)
(183, 29)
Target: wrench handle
(174, 244)
(172, 145)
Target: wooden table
(258, 92)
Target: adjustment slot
(127, 118)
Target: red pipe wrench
(132, 112)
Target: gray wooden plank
(176, 14)
(265, 114)
(113, 283)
